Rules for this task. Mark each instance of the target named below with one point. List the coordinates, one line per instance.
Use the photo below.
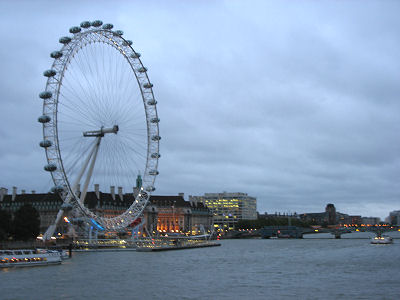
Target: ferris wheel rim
(62, 58)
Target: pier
(173, 243)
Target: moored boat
(63, 254)
(28, 258)
(382, 239)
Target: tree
(274, 221)
(5, 225)
(26, 223)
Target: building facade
(370, 220)
(330, 211)
(162, 215)
(331, 217)
(394, 217)
(47, 205)
(228, 208)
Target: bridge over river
(298, 232)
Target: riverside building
(163, 214)
(394, 217)
(228, 208)
(47, 205)
(331, 217)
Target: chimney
(3, 192)
(121, 196)
(181, 195)
(14, 193)
(97, 190)
(112, 191)
(33, 192)
(22, 192)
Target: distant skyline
(294, 103)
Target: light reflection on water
(239, 269)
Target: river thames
(240, 269)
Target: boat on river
(382, 239)
(28, 258)
(63, 253)
(174, 242)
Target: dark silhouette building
(331, 214)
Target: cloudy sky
(293, 102)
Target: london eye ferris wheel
(100, 122)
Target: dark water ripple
(239, 269)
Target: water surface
(239, 269)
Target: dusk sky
(293, 102)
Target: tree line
(23, 225)
(277, 221)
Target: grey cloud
(294, 103)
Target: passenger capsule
(85, 24)
(127, 42)
(136, 55)
(155, 155)
(143, 195)
(148, 85)
(49, 73)
(156, 137)
(45, 95)
(155, 120)
(75, 29)
(153, 172)
(150, 188)
(45, 143)
(56, 54)
(97, 23)
(118, 32)
(142, 69)
(57, 188)
(44, 119)
(50, 167)
(64, 40)
(108, 26)
(152, 102)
